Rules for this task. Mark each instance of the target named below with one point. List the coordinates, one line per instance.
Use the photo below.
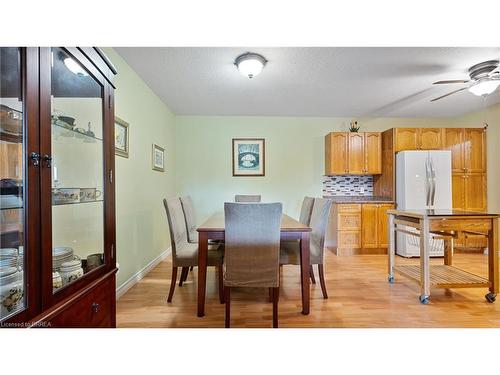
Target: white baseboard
(134, 279)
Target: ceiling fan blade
(450, 93)
(450, 81)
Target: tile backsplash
(348, 185)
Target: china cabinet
(57, 222)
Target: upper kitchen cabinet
(353, 153)
(418, 139)
(468, 149)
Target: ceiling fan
(484, 79)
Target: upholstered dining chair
(184, 253)
(247, 198)
(290, 250)
(190, 218)
(252, 250)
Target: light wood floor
(359, 296)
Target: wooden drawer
(349, 239)
(349, 221)
(464, 225)
(94, 308)
(348, 208)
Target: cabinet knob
(48, 160)
(35, 158)
(95, 307)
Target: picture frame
(249, 157)
(121, 138)
(158, 158)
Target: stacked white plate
(61, 255)
(9, 257)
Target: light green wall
(141, 230)
(294, 157)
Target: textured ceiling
(319, 82)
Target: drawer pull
(95, 307)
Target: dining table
(290, 230)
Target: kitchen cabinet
(57, 187)
(374, 225)
(418, 139)
(454, 141)
(469, 191)
(360, 228)
(353, 153)
(468, 149)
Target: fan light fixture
(74, 67)
(484, 87)
(250, 64)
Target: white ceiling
(319, 82)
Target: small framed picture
(158, 158)
(249, 157)
(121, 138)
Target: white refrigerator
(423, 181)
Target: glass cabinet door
(12, 213)
(77, 170)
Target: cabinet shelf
(71, 203)
(61, 131)
(11, 208)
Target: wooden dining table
(291, 230)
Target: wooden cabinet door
(475, 192)
(373, 153)
(475, 150)
(430, 139)
(406, 139)
(336, 150)
(382, 235)
(454, 141)
(369, 226)
(349, 222)
(458, 191)
(356, 153)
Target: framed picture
(158, 158)
(121, 138)
(249, 158)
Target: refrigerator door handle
(427, 183)
(433, 180)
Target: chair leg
(275, 292)
(311, 273)
(227, 299)
(184, 274)
(172, 284)
(322, 281)
(221, 284)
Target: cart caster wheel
(390, 279)
(424, 300)
(491, 297)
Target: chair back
(190, 216)
(247, 198)
(252, 244)
(176, 224)
(306, 210)
(319, 220)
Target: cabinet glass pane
(77, 170)
(12, 277)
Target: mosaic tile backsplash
(348, 185)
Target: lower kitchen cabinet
(359, 228)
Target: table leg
(304, 271)
(392, 247)
(425, 279)
(493, 258)
(448, 251)
(202, 270)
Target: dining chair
(252, 250)
(290, 250)
(190, 218)
(247, 198)
(184, 253)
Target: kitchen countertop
(358, 199)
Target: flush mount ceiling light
(484, 87)
(74, 67)
(250, 64)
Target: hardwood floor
(359, 296)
